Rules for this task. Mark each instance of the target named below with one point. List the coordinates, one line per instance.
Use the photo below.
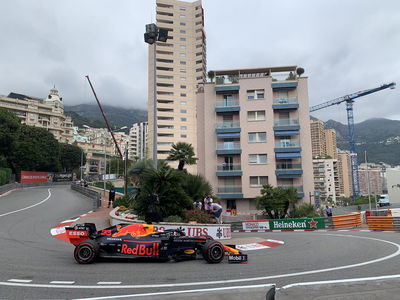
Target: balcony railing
(228, 167)
(299, 188)
(288, 166)
(287, 122)
(228, 125)
(231, 103)
(287, 144)
(222, 80)
(229, 189)
(278, 101)
(228, 146)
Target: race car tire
(86, 252)
(213, 252)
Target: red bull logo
(141, 249)
(133, 230)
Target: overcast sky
(344, 46)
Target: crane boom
(349, 99)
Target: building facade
(323, 140)
(46, 113)
(253, 129)
(138, 141)
(180, 67)
(393, 184)
(344, 174)
(372, 179)
(326, 180)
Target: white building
(138, 141)
(393, 184)
(326, 178)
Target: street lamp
(152, 34)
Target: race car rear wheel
(213, 252)
(86, 252)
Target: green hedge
(5, 175)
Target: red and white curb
(319, 230)
(261, 245)
(59, 231)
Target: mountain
(379, 137)
(89, 114)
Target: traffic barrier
(351, 220)
(95, 196)
(381, 223)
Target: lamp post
(369, 187)
(81, 163)
(151, 36)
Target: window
(182, 31)
(256, 159)
(257, 181)
(183, 70)
(258, 115)
(182, 16)
(166, 126)
(199, 46)
(182, 62)
(165, 69)
(183, 102)
(257, 137)
(165, 76)
(183, 135)
(183, 95)
(165, 93)
(165, 84)
(183, 111)
(255, 94)
(182, 8)
(183, 24)
(165, 134)
(199, 61)
(183, 47)
(183, 86)
(182, 39)
(164, 143)
(183, 119)
(183, 54)
(165, 118)
(183, 127)
(199, 70)
(183, 78)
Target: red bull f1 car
(140, 240)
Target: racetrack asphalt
(34, 265)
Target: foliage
(5, 175)
(70, 157)
(200, 216)
(275, 201)
(9, 130)
(182, 152)
(211, 75)
(117, 166)
(196, 186)
(124, 201)
(357, 201)
(100, 184)
(174, 219)
(304, 211)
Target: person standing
(207, 203)
(111, 196)
(216, 210)
(328, 211)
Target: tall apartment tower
(137, 141)
(323, 140)
(253, 129)
(180, 68)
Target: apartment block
(393, 184)
(344, 174)
(180, 66)
(138, 141)
(253, 129)
(323, 140)
(372, 179)
(326, 180)
(46, 113)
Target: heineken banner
(302, 223)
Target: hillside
(89, 114)
(379, 137)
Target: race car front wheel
(86, 252)
(213, 252)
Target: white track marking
(28, 207)
(62, 282)
(240, 280)
(340, 281)
(182, 292)
(20, 280)
(109, 282)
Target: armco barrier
(12, 186)
(382, 223)
(89, 193)
(351, 220)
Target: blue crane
(349, 99)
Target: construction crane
(349, 99)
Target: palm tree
(182, 152)
(211, 75)
(196, 186)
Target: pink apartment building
(252, 129)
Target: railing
(288, 166)
(286, 122)
(230, 189)
(230, 103)
(228, 125)
(228, 146)
(227, 167)
(222, 80)
(285, 101)
(286, 144)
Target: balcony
(229, 170)
(286, 125)
(299, 189)
(227, 106)
(288, 170)
(287, 146)
(227, 192)
(229, 148)
(284, 84)
(228, 127)
(285, 103)
(228, 83)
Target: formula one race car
(140, 240)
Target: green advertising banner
(302, 223)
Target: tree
(211, 75)
(70, 157)
(275, 201)
(9, 131)
(196, 186)
(182, 152)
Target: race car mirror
(238, 258)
